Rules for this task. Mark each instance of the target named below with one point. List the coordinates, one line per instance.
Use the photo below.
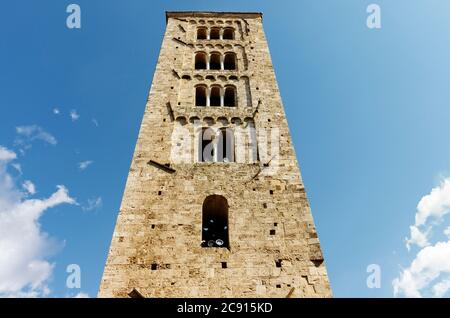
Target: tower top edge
(211, 14)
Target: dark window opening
(215, 222)
(214, 99)
(272, 232)
(200, 61)
(159, 192)
(228, 34)
(215, 34)
(201, 34)
(224, 264)
(230, 97)
(154, 267)
(265, 205)
(275, 224)
(200, 96)
(153, 226)
(214, 62)
(225, 145)
(206, 146)
(271, 191)
(278, 263)
(278, 286)
(229, 61)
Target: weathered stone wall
(156, 243)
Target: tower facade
(214, 204)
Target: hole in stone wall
(159, 192)
(265, 205)
(271, 191)
(224, 264)
(272, 232)
(153, 226)
(278, 286)
(278, 263)
(154, 267)
(275, 224)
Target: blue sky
(368, 112)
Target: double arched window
(215, 96)
(215, 61)
(215, 33)
(216, 145)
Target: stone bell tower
(214, 204)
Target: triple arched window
(215, 96)
(215, 61)
(215, 33)
(216, 145)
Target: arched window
(228, 34)
(215, 222)
(202, 34)
(214, 98)
(200, 95)
(229, 61)
(206, 145)
(214, 34)
(225, 145)
(230, 96)
(214, 61)
(200, 61)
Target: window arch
(214, 34)
(215, 222)
(200, 61)
(200, 95)
(225, 145)
(229, 61)
(228, 34)
(215, 98)
(230, 96)
(206, 151)
(202, 34)
(214, 61)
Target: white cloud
(431, 263)
(95, 122)
(81, 295)
(56, 111)
(93, 204)
(28, 134)
(84, 164)
(434, 205)
(29, 187)
(447, 231)
(418, 237)
(6, 155)
(24, 247)
(74, 115)
(429, 272)
(18, 167)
